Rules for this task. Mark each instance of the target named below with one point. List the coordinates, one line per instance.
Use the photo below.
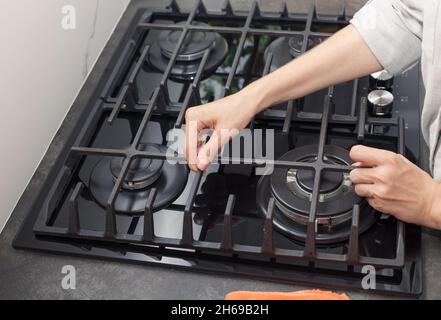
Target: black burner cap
(295, 44)
(142, 172)
(169, 179)
(329, 182)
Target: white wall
(42, 67)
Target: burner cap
(292, 188)
(143, 175)
(330, 180)
(142, 172)
(195, 43)
(191, 53)
(284, 49)
(295, 44)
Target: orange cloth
(298, 295)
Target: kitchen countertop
(28, 274)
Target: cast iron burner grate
(67, 196)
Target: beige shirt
(399, 33)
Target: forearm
(344, 56)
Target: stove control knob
(380, 103)
(381, 80)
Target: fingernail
(203, 164)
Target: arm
(324, 65)
(343, 57)
(390, 182)
(383, 34)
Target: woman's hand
(330, 60)
(225, 116)
(394, 185)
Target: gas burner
(295, 44)
(143, 175)
(287, 48)
(190, 54)
(292, 190)
(142, 172)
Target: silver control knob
(380, 103)
(381, 80)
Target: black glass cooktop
(115, 192)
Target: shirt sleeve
(393, 30)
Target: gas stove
(117, 192)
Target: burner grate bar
(228, 30)
(353, 252)
(74, 218)
(362, 119)
(193, 91)
(202, 10)
(118, 105)
(139, 64)
(174, 7)
(308, 31)
(266, 70)
(240, 47)
(400, 227)
(149, 228)
(187, 228)
(287, 122)
(311, 231)
(129, 87)
(118, 69)
(237, 249)
(232, 30)
(268, 246)
(227, 241)
(185, 29)
(354, 97)
(324, 126)
(162, 89)
(401, 230)
(99, 152)
(146, 117)
(110, 226)
(224, 160)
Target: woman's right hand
(226, 117)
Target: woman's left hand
(394, 185)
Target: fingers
(365, 190)
(364, 180)
(191, 144)
(210, 149)
(363, 176)
(370, 157)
